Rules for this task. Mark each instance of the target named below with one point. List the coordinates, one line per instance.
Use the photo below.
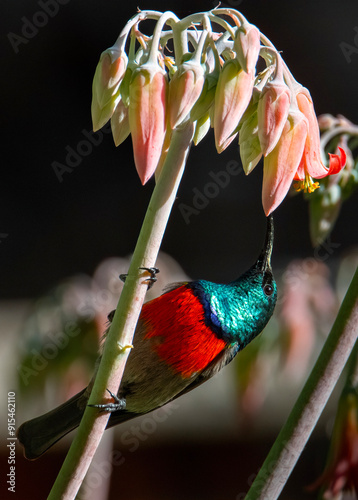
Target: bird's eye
(268, 290)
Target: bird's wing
(221, 360)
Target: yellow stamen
(307, 186)
(170, 64)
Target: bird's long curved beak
(264, 261)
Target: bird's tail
(39, 434)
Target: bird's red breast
(176, 323)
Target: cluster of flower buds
(203, 68)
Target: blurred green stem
(120, 335)
(311, 402)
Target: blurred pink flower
(308, 301)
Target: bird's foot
(153, 271)
(149, 281)
(120, 404)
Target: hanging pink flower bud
(273, 108)
(105, 88)
(184, 89)
(147, 117)
(281, 164)
(233, 94)
(247, 46)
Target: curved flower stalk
(210, 74)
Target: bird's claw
(149, 281)
(119, 404)
(153, 271)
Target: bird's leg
(150, 281)
(120, 404)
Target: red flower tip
(337, 162)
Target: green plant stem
(311, 402)
(120, 335)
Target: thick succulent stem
(311, 402)
(120, 335)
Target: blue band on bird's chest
(204, 292)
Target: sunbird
(182, 338)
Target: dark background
(52, 229)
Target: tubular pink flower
(273, 108)
(184, 90)
(232, 96)
(311, 164)
(147, 118)
(281, 164)
(105, 88)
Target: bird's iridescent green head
(240, 310)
